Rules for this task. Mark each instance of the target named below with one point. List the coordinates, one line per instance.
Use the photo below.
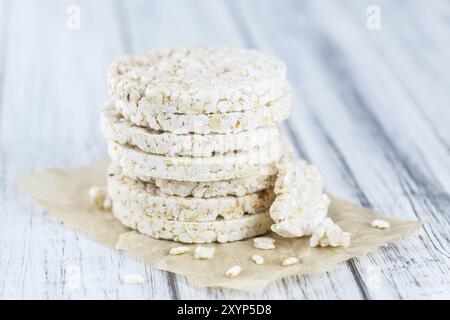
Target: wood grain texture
(372, 111)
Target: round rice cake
(223, 123)
(193, 232)
(262, 161)
(144, 195)
(198, 80)
(122, 131)
(223, 188)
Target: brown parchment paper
(63, 193)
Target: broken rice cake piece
(299, 205)
(329, 234)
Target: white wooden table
(372, 112)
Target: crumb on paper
(329, 234)
(107, 203)
(290, 261)
(380, 224)
(222, 238)
(97, 196)
(264, 243)
(233, 271)
(257, 259)
(133, 279)
(204, 253)
(303, 254)
(179, 250)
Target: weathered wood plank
(372, 115)
(359, 126)
(426, 93)
(53, 88)
(153, 27)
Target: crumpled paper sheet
(63, 193)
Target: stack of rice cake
(194, 138)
